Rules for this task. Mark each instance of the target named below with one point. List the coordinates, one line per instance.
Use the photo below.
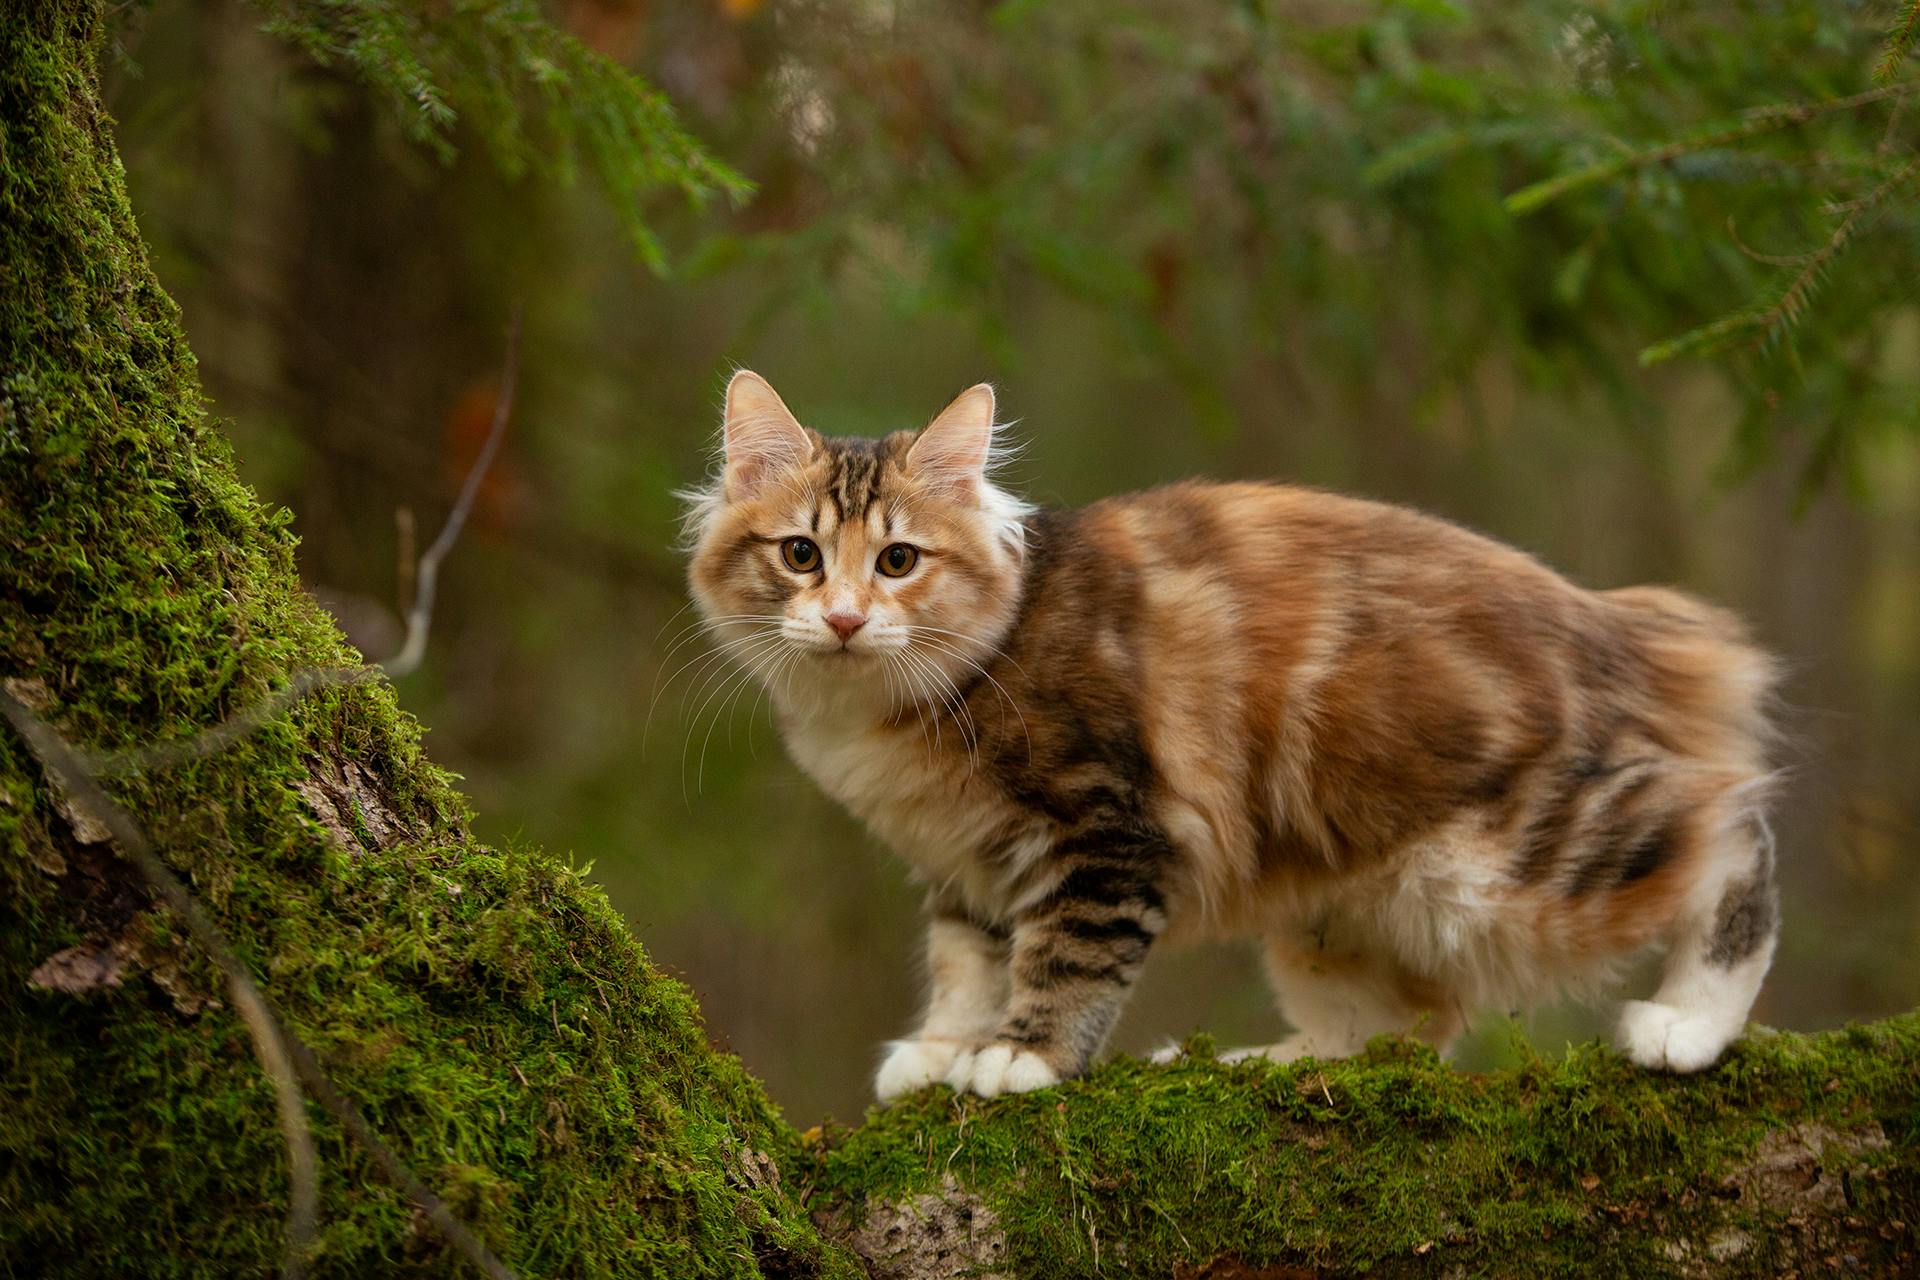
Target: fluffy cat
(1426, 773)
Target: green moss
(486, 1008)
(1392, 1163)
(491, 1015)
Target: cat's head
(839, 566)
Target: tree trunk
(496, 1023)
(486, 1009)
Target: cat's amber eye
(801, 554)
(897, 561)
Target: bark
(494, 1020)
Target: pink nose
(845, 624)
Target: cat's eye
(801, 554)
(898, 560)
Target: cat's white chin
(999, 1069)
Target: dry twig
(419, 618)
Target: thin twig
(413, 648)
(426, 580)
(217, 738)
(393, 1166)
(286, 1058)
(70, 774)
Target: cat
(1428, 774)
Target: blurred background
(1183, 239)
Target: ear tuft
(954, 447)
(763, 438)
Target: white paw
(1168, 1052)
(1000, 1068)
(914, 1064)
(1660, 1037)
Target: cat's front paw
(1660, 1037)
(999, 1069)
(914, 1064)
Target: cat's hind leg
(1338, 997)
(1715, 964)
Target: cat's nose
(845, 624)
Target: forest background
(1308, 242)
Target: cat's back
(1294, 572)
(1317, 679)
(1263, 558)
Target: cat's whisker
(722, 666)
(913, 691)
(750, 676)
(698, 667)
(955, 653)
(717, 654)
(784, 667)
(950, 698)
(719, 627)
(909, 696)
(710, 626)
(734, 680)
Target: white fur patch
(999, 1069)
(1660, 1037)
(914, 1064)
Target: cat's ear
(953, 448)
(762, 437)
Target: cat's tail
(1712, 691)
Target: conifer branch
(1771, 324)
(537, 96)
(1759, 121)
(1900, 42)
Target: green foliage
(486, 1009)
(1900, 42)
(1394, 1163)
(540, 98)
(1251, 192)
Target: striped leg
(1075, 956)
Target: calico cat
(1426, 773)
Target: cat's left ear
(953, 448)
(762, 437)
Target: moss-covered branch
(493, 1019)
(1798, 1154)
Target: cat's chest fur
(931, 807)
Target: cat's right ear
(762, 437)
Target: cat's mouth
(858, 645)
